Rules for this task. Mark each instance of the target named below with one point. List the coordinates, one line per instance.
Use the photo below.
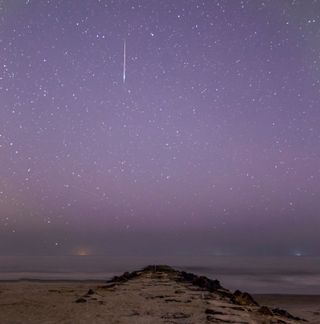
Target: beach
(304, 306)
(147, 297)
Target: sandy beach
(304, 306)
(144, 297)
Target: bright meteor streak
(124, 63)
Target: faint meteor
(124, 62)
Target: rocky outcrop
(125, 277)
(209, 289)
(200, 281)
(243, 298)
(264, 310)
(286, 314)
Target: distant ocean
(285, 275)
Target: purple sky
(210, 146)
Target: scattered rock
(200, 281)
(211, 318)
(201, 284)
(172, 300)
(213, 312)
(178, 315)
(89, 294)
(187, 276)
(156, 297)
(125, 277)
(264, 310)
(286, 314)
(243, 298)
(81, 300)
(224, 293)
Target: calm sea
(289, 275)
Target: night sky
(209, 145)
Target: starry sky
(210, 145)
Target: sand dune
(157, 294)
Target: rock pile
(242, 301)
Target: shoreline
(153, 294)
(99, 281)
(289, 275)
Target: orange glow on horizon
(82, 251)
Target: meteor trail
(124, 63)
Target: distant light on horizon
(83, 251)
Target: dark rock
(172, 300)
(211, 318)
(156, 296)
(264, 310)
(213, 312)
(124, 277)
(81, 300)
(200, 281)
(175, 316)
(114, 279)
(286, 314)
(243, 298)
(224, 293)
(188, 276)
(282, 312)
(209, 284)
(90, 292)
